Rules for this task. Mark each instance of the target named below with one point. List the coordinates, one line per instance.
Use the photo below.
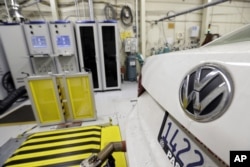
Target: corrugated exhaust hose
(11, 98)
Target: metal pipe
(143, 27)
(83, 9)
(7, 10)
(77, 9)
(15, 11)
(102, 156)
(91, 10)
(110, 148)
(54, 9)
(12, 2)
(194, 9)
(136, 24)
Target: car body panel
(142, 145)
(162, 76)
(143, 127)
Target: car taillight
(140, 87)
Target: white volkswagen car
(195, 107)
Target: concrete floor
(110, 105)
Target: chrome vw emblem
(206, 92)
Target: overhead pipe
(191, 10)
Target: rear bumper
(143, 148)
(142, 130)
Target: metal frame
(16, 51)
(39, 55)
(65, 77)
(100, 25)
(38, 29)
(47, 61)
(68, 54)
(64, 99)
(62, 120)
(4, 68)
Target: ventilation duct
(15, 11)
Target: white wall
(223, 18)
(158, 34)
(229, 16)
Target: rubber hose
(7, 82)
(126, 16)
(107, 9)
(12, 98)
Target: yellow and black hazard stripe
(57, 148)
(61, 98)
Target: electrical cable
(126, 16)
(164, 34)
(23, 2)
(109, 12)
(25, 5)
(40, 13)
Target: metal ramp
(65, 147)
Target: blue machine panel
(39, 41)
(63, 41)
